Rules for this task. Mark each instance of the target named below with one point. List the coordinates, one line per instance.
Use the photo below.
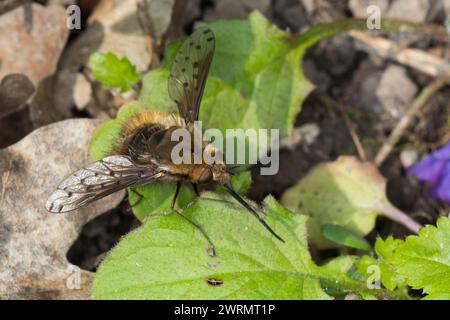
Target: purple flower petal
(442, 189)
(435, 169)
(428, 170)
(442, 153)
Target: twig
(405, 121)
(414, 58)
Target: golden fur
(151, 116)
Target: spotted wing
(98, 180)
(189, 71)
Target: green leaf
(342, 283)
(112, 71)
(250, 263)
(241, 182)
(343, 236)
(156, 199)
(167, 258)
(385, 250)
(255, 80)
(345, 192)
(424, 260)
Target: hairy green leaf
(424, 260)
(384, 250)
(168, 258)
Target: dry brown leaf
(15, 90)
(34, 242)
(34, 54)
(32, 47)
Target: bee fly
(143, 152)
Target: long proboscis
(235, 195)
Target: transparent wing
(189, 71)
(98, 180)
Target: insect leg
(252, 211)
(228, 202)
(139, 195)
(211, 251)
(195, 187)
(177, 191)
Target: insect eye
(206, 175)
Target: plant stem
(399, 216)
(420, 60)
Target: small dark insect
(214, 282)
(143, 152)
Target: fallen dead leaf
(346, 192)
(15, 90)
(33, 49)
(34, 53)
(34, 242)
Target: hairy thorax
(146, 138)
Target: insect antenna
(235, 195)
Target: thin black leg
(211, 250)
(177, 191)
(139, 195)
(195, 187)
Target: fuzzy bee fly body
(142, 154)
